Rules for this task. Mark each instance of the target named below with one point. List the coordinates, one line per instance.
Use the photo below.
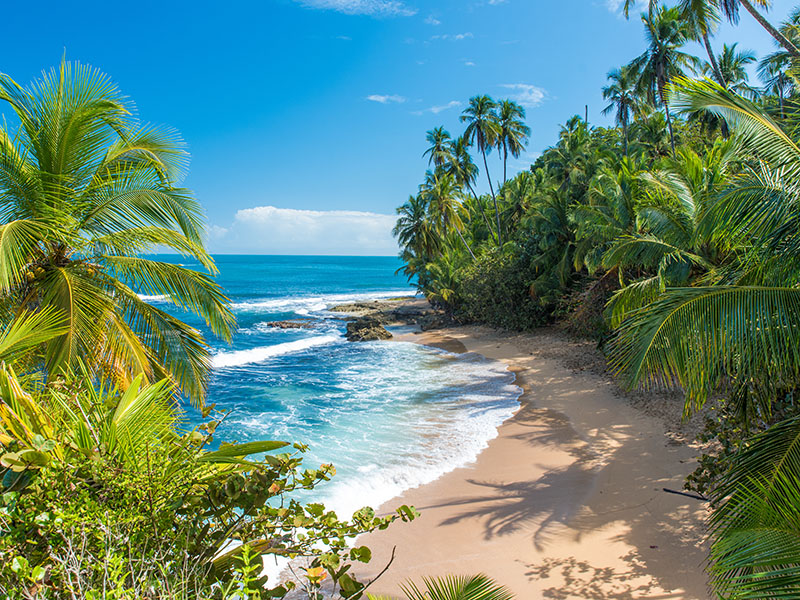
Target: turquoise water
(388, 415)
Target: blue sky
(306, 119)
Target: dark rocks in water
(293, 324)
(366, 329)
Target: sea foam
(256, 355)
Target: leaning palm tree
(483, 130)
(730, 8)
(663, 60)
(622, 98)
(513, 132)
(85, 191)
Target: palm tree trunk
(669, 119)
(779, 37)
(494, 198)
(505, 162)
(713, 58)
(625, 135)
(464, 241)
(483, 213)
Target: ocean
(389, 415)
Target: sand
(567, 501)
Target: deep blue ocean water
(388, 415)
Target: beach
(568, 500)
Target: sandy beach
(568, 501)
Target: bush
(495, 289)
(103, 496)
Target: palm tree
(621, 94)
(85, 191)
(700, 10)
(465, 173)
(773, 70)
(440, 193)
(438, 152)
(731, 10)
(513, 132)
(413, 229)
(453, 587)
(743, 334)
(733, 68)
(754, 550)
(483, 130)
(663, 60)
(703, 19)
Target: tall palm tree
(514, 134)
(663, 61)
(733, 68)
(413, 229)
(730, 8)
(483, 130)
(702, 18)
(773, 70)
(439, 151)
(440, 193)
(85, 191)
(621, 94)
(465, 173)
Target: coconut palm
(483, 130)
(513, 132)
(730, 8)
(754, 550)
(85, 191)
(465, 173)
(440, 193)
(773, 70)
(733, 68)
(413, 228)
(623, 101)
(744, 334)
(663, 61)
(439, 151)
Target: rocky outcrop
(366, 329)
(408, 311)
(293, 324)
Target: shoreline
(567, 500)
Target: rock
(293, 324)
(434, 321)
(366, 329)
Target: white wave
(444, 446)
(159, 298)
(262, 353)
(318, 303)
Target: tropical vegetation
(670, 237)
(105, 489)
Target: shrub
(103, 496)
(495, 289)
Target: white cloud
(469, 63)
(375, 8)
(440, 108)
(527, 95)
(431, 20)
(615, 5)
(386, 98)
(453, 37)
(271, 230)
(497, 1)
